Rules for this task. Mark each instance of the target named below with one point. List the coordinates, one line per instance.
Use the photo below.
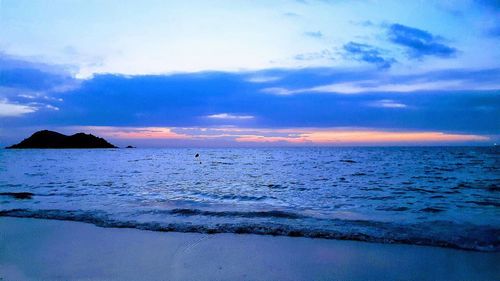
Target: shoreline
(76, 216)
(32, 249)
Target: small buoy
(197, 155)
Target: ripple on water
(392, 189)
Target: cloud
(51, 107)
(370, 86)
(263, 79)
(228, 116)
(306, 97)
(314, 34)
(130, 132)
(451, 80)
(419, 43)
(14, 110)
(18, 73)
(27, 87)
(367, 53)
(365, 23)
(291, 14)
(323, 54)
(280, 91)
(294, 136)
(344, 137)
(388, 104)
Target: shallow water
(443, 196)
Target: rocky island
(51, 139)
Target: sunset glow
(299, 136)
(239, 73)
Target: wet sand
(36, 249)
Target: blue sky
(161, 73)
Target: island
(51, 139)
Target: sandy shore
(33, 249)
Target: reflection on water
(437, 196)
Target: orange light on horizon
(383, 136)
(255, 138)
(136, 132)
(292, 136)
(365, 137)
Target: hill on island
(51, 139)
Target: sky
(252, 73)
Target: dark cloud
(16, 73)
(186, 99)
(367, 53)
(419, 43)
(179, 100)
(29, 86)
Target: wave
(435, 233)
(254, 214)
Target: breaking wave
(437, 233)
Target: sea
(437, 196)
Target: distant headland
(51, 139)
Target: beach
(249, 140)
(38, 249)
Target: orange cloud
(255, 138)
(136, 132)
(360, 136)
(381, 136)
(292, 136)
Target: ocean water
(440, 196)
